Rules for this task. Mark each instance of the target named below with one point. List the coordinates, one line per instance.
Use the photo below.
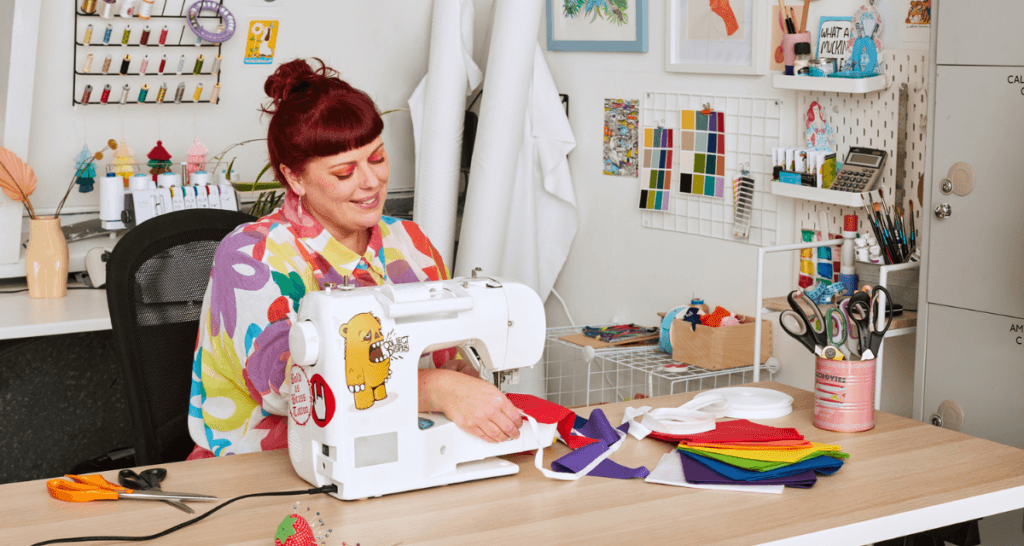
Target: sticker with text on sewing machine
(368, 358)
(323, 400)
(301, 399)
(261, 43)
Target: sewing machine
(354, 419)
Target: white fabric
(520, 216)
(693, 417)
(538, 460)
(438, 108)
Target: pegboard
(871, 120)
(753, 126)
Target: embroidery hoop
(222, 12)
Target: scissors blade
(149, 494)
(175, 503)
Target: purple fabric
(598, 428)
(695, 472)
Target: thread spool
(198, 93)
(126, 34)
(163, 64)
(106, 63)
(89, 6)
(107, 11)
(86, 94)
(199, 65)
(107, 32)
(127, 60)
(146, 9)
(88, 30)
(181, 64)
(166, 180)
(161, 93)
(215, 68)
(124, 93)
(215, 94)
(128, 8)
(140, 182)
(144, 65)
(111, 201)
(143, 92)
(163, 35)
(105, 96)
(847, 252)
(144, 38)
(87, 65)
(179, 93)
(201, 178)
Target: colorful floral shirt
(260, 272)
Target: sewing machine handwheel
(304, 343)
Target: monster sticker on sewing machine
(358, 340)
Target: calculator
(861, 170)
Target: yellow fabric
(771, 455)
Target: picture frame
(703, 41)
(590, 31)
(833, 34)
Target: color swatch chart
(656, 173)
(702, 153)
(707, 153)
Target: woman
(325, 146)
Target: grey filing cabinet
(971, 330)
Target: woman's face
(345, 192)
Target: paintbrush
(913, 242)
(790, 27)
(887, 235)
(891, 225)
(878, 232)
(903, 230)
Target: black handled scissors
(801, 328)
(149, 479)
(863, 310)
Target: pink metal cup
(844, 395)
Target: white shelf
(843, 198)
(834, 85)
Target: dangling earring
(299, 213)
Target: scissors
(852, 332)
(864, 313)
(837, 329)
(94, 487)
(149, 480)
(810, 335)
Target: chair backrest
(156, 278)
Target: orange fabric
(714, 319)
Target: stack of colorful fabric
(744, 453)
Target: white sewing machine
(354, 419)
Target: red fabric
(200, 453)
(549, 412)
(715, 319)
(739, 430)
(441, 356)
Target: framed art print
(597, 25)
(716, 36)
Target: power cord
(314, 491)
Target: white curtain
(438, 108)
(520, 216)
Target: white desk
(82, 310)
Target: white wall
(621, 272)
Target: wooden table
(902, 477)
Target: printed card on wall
(261, 42)
(620, 137)
(702, 153)
(656, 171)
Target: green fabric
(759, 466)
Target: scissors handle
(80, 492)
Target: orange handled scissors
(94, 487)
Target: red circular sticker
(301, 399)
(322, 401)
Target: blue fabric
(822, 464)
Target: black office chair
(156, 278)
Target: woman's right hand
(473, 404)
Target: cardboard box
(719, 348)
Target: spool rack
(180, 39)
